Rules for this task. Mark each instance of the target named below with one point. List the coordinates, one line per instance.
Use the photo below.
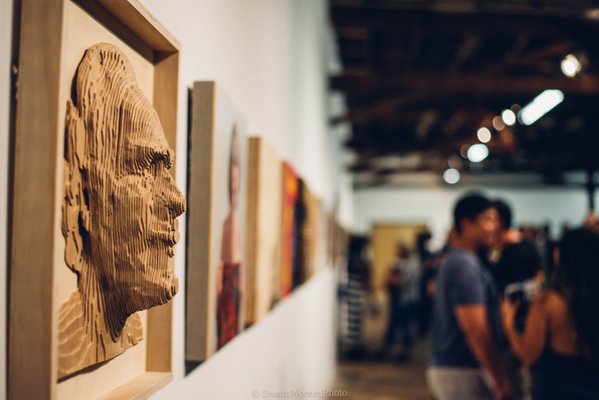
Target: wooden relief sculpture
(119, 210)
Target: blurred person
(590, 220)
(466, 325)
(505, 235)
(514, 262)
(428, 285)
(561, 334)
(519, 275)
(402, 288)
(394, 284)
(546, 246)
(422, 245)
(424, 304)
(353, 297)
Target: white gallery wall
(434, 206)
(271, 58)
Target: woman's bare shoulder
(554, 296)
(549, 300)
(555, 302)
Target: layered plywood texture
(49, 195)
(118, 213)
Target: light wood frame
(212, 116)
(37, 189)
(264, 212)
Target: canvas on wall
(311, 233)
(289, 231)
(263, 230)
(217, 197)
(299, 239)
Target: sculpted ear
(75, 211)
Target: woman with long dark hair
(561, 336)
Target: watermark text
(298, 393)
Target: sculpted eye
(165, 156)
(143, 158)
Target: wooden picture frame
(263, 230)
(53, 37)
(310, 232)
(215, 252)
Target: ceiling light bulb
(540, 106)
(484, 135)
(570, 66)
(498, 123)
(451, 176)
(508, 117)
(478, 152)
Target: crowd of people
(507, 322)
(510, 313)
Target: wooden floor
(376, 378)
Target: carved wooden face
(135, 207)
(132, 200)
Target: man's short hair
(504, 211)
(469, 206)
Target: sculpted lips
(168, 234)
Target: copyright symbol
(256, 394)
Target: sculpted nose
(174, 197)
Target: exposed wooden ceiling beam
(530, 57)
(398, 21)
(421, 84)
(569, 8)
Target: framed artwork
(217, 198)
(289, 231)
(338, 240)
(263, 230)
(322, 251)
(307, 214)
(312, 240)
(299, 267)
(95, 196)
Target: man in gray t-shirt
(466, 324)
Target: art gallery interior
(386, 111)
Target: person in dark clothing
(352, 298)
(513, 261)
(401, 284)
(394, 278)
(428, 285)
(561, 334)
(520, 273)
(466, 325)
(425, 302)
